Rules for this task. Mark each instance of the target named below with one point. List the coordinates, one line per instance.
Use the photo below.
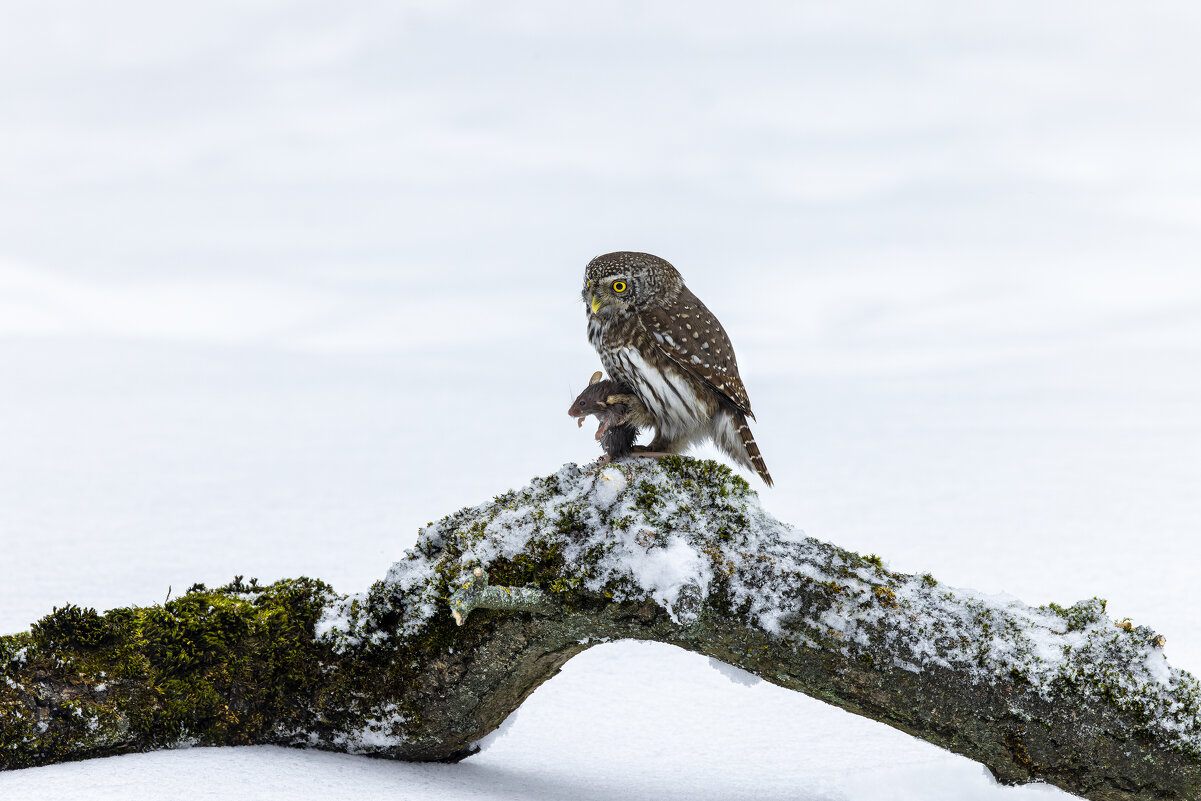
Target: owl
(653, 334)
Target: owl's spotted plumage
(652, 333)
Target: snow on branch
(494, 599)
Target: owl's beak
(596, 304)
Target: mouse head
(592, 399)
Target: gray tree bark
(494, 599)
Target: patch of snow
(664, 572)
(612, 482)
(335, 624)
(1157, 667)
(379, 732)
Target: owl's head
(625, 281)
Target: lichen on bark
(674, 550)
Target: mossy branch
(676, 551)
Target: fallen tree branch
(677, 551)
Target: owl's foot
(643, 450)
(593, 469)
(622, 399)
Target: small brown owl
(652, 333)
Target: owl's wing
(694, 340)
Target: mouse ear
(596, 377)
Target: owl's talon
(642, 450)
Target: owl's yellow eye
(619, 286)
(588, 284)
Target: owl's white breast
(669, 395)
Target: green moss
(541, 559)
(1079, 615)
(217, 667)
(833, 588)
(570, 522)
(648, 497)
(10, 645)
(705, 475)
(72, 626)
(885, 596)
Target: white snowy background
(281, 282)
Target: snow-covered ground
(281, 283)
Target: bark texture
(677, 551)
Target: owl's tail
(735, 438)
